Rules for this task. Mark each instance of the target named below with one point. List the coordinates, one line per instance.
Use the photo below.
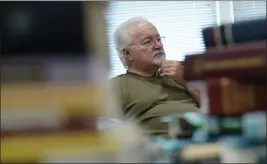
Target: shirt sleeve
(119, 91)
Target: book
(39, 123)
(234, 33)
(255, 154)
(248, 46)
(43, 108)
(228, 97)
(82, 97)
(47, 69)
(57, 147)
(239, 63)
(200, 153)
(251, 127)
(236, 149)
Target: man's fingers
(167, 69)
(167, 64)
(170, 72)
(165, 74)
(170, 63)
(159, 72)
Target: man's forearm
(195, 93)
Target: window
(245, 10)
(180, 22)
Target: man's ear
(127, 54)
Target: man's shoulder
(126, 78)
(118, 78)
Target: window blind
(180, 22)
(246, 10)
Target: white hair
(122, 38)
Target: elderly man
(153, 86)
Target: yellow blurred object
(37, 147)
(201, 151)
(83, 98)
(46, 104)
(79, 99)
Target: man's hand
(174, 70)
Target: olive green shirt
(148, 99)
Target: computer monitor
(40, 29)
(46, 40)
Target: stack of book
(50, 94)
(49, 122)
(233, 68)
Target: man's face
(146, 48)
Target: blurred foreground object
(234, 75)
(50, 89)
(235, 78)
(246, 62)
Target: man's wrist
(181, 82)
(184, 84)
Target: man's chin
(158, 60)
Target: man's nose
(158, 45)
